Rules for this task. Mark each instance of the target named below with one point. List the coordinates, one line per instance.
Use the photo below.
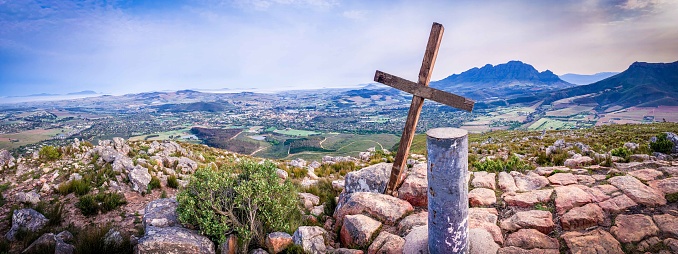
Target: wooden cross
(421, 91)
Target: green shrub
(622, 152)
(662, 144)
(49, 153)
(79, 187)
(172, 182)
(53, 212)
(104, 202)
(154, 184)
(497, 165)
(90, 240)
(247, 198)
(324, 190)
(339, 168)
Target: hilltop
(581, 183)
(507, 80)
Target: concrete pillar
(448, 190)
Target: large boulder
(277, 242)
(481, 197)
(617, 204)
(120, 145)
(415, 186)
(139, 177)
(481, 242)
(507, 183)
(633, 228)
(486, 219)
(637, 191)
(411, 221)
(528, 199)
(571, 196)
(26, 219)
(358, 230)
(583, 217)
(161, 213)
(186, 165)
(384, 208)
(386, 243)
(370, 179)
(482, 179)
(667, 223)
(531, 181)
(173, 240)
(417, 241)
(311, 238)
(578, 161)
(30, 197)
(122, 164)
(666, 186)
(531, 239)
(6, 159)
(48, 241)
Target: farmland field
(293, 132)
(27, 137)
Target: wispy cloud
(122, 47)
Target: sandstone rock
(633, 228)
(486, 219)
(298, 163)
(113, 238)
(606, 188)
(384, 208)
(631, 146)
(563, 179)
(666, 186)
(585, 180)
(122, 163)
(536, 219)
(639, 157)
(338, 185)
(139, 178)
(309, 200)
(506, 182)
(311, 238)
(571, 196)
(26, 219)
(596, 194)
(186, 165)
(318, 210)
(173, 240)
(637, 191)
(648, 243)
(411, 221)
(531, 239)
(578, 161)
(596, 241)
(281, 173)
(120, 146)
(415, 186)
(481, 242)
(386, 243)
(631, 166)
(277, 242)
(65, 236)
(582, 217)
(481, 197)
(43, 242)
(672, 244)
(258, 251)
(516, 250)
(370, 179)
(357, 230)
(482, 179)
(161, 213)
(529, 182)
(417, 241)
(528, 199)
(6, 159)
(672, 170)
(668, 224)
(346, 251)
(230, 246)
(647, 174)
(544, 171)
(28, 197)
(617, 204)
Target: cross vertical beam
(427, 64)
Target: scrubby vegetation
(246, 199)
(49, 153)
(662, 144)
(513, 163)
(172, 182)
(91, 240)
(79, 187)
(339, 168)
(103, 202)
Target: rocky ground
(627, 206)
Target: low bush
(53, 212)
(104, 202)
(513, 163)
(324, 190)
(339, 168)
(247, 198)
(90, 240)
(79, 187)
(49, 153)
(172, 182)
(622, 152)
(154, 184)
(662, 144)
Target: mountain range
(501, 81)
(582, 79)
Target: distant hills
(85, 92)
(501, 81)
(641, 85)
(582, 79)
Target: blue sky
(130, 46)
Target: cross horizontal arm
(425, 92)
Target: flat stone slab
(668, 224)
(531, 239)
(607, 188)
(596, 241)
(666, 186)
(481, 197)
(506, 182)
(637, 191)
(486, 219)
(617, 204)
(568, 197)
(562, 179)
(384, 208)
(633, 228)
(528, 199)
(481, 242)
(529, 182)
(646, 174)
(482, 179)
(516, 250)
(582, 217)
(536, 219)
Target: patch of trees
(225, 139)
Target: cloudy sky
(128, 46)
